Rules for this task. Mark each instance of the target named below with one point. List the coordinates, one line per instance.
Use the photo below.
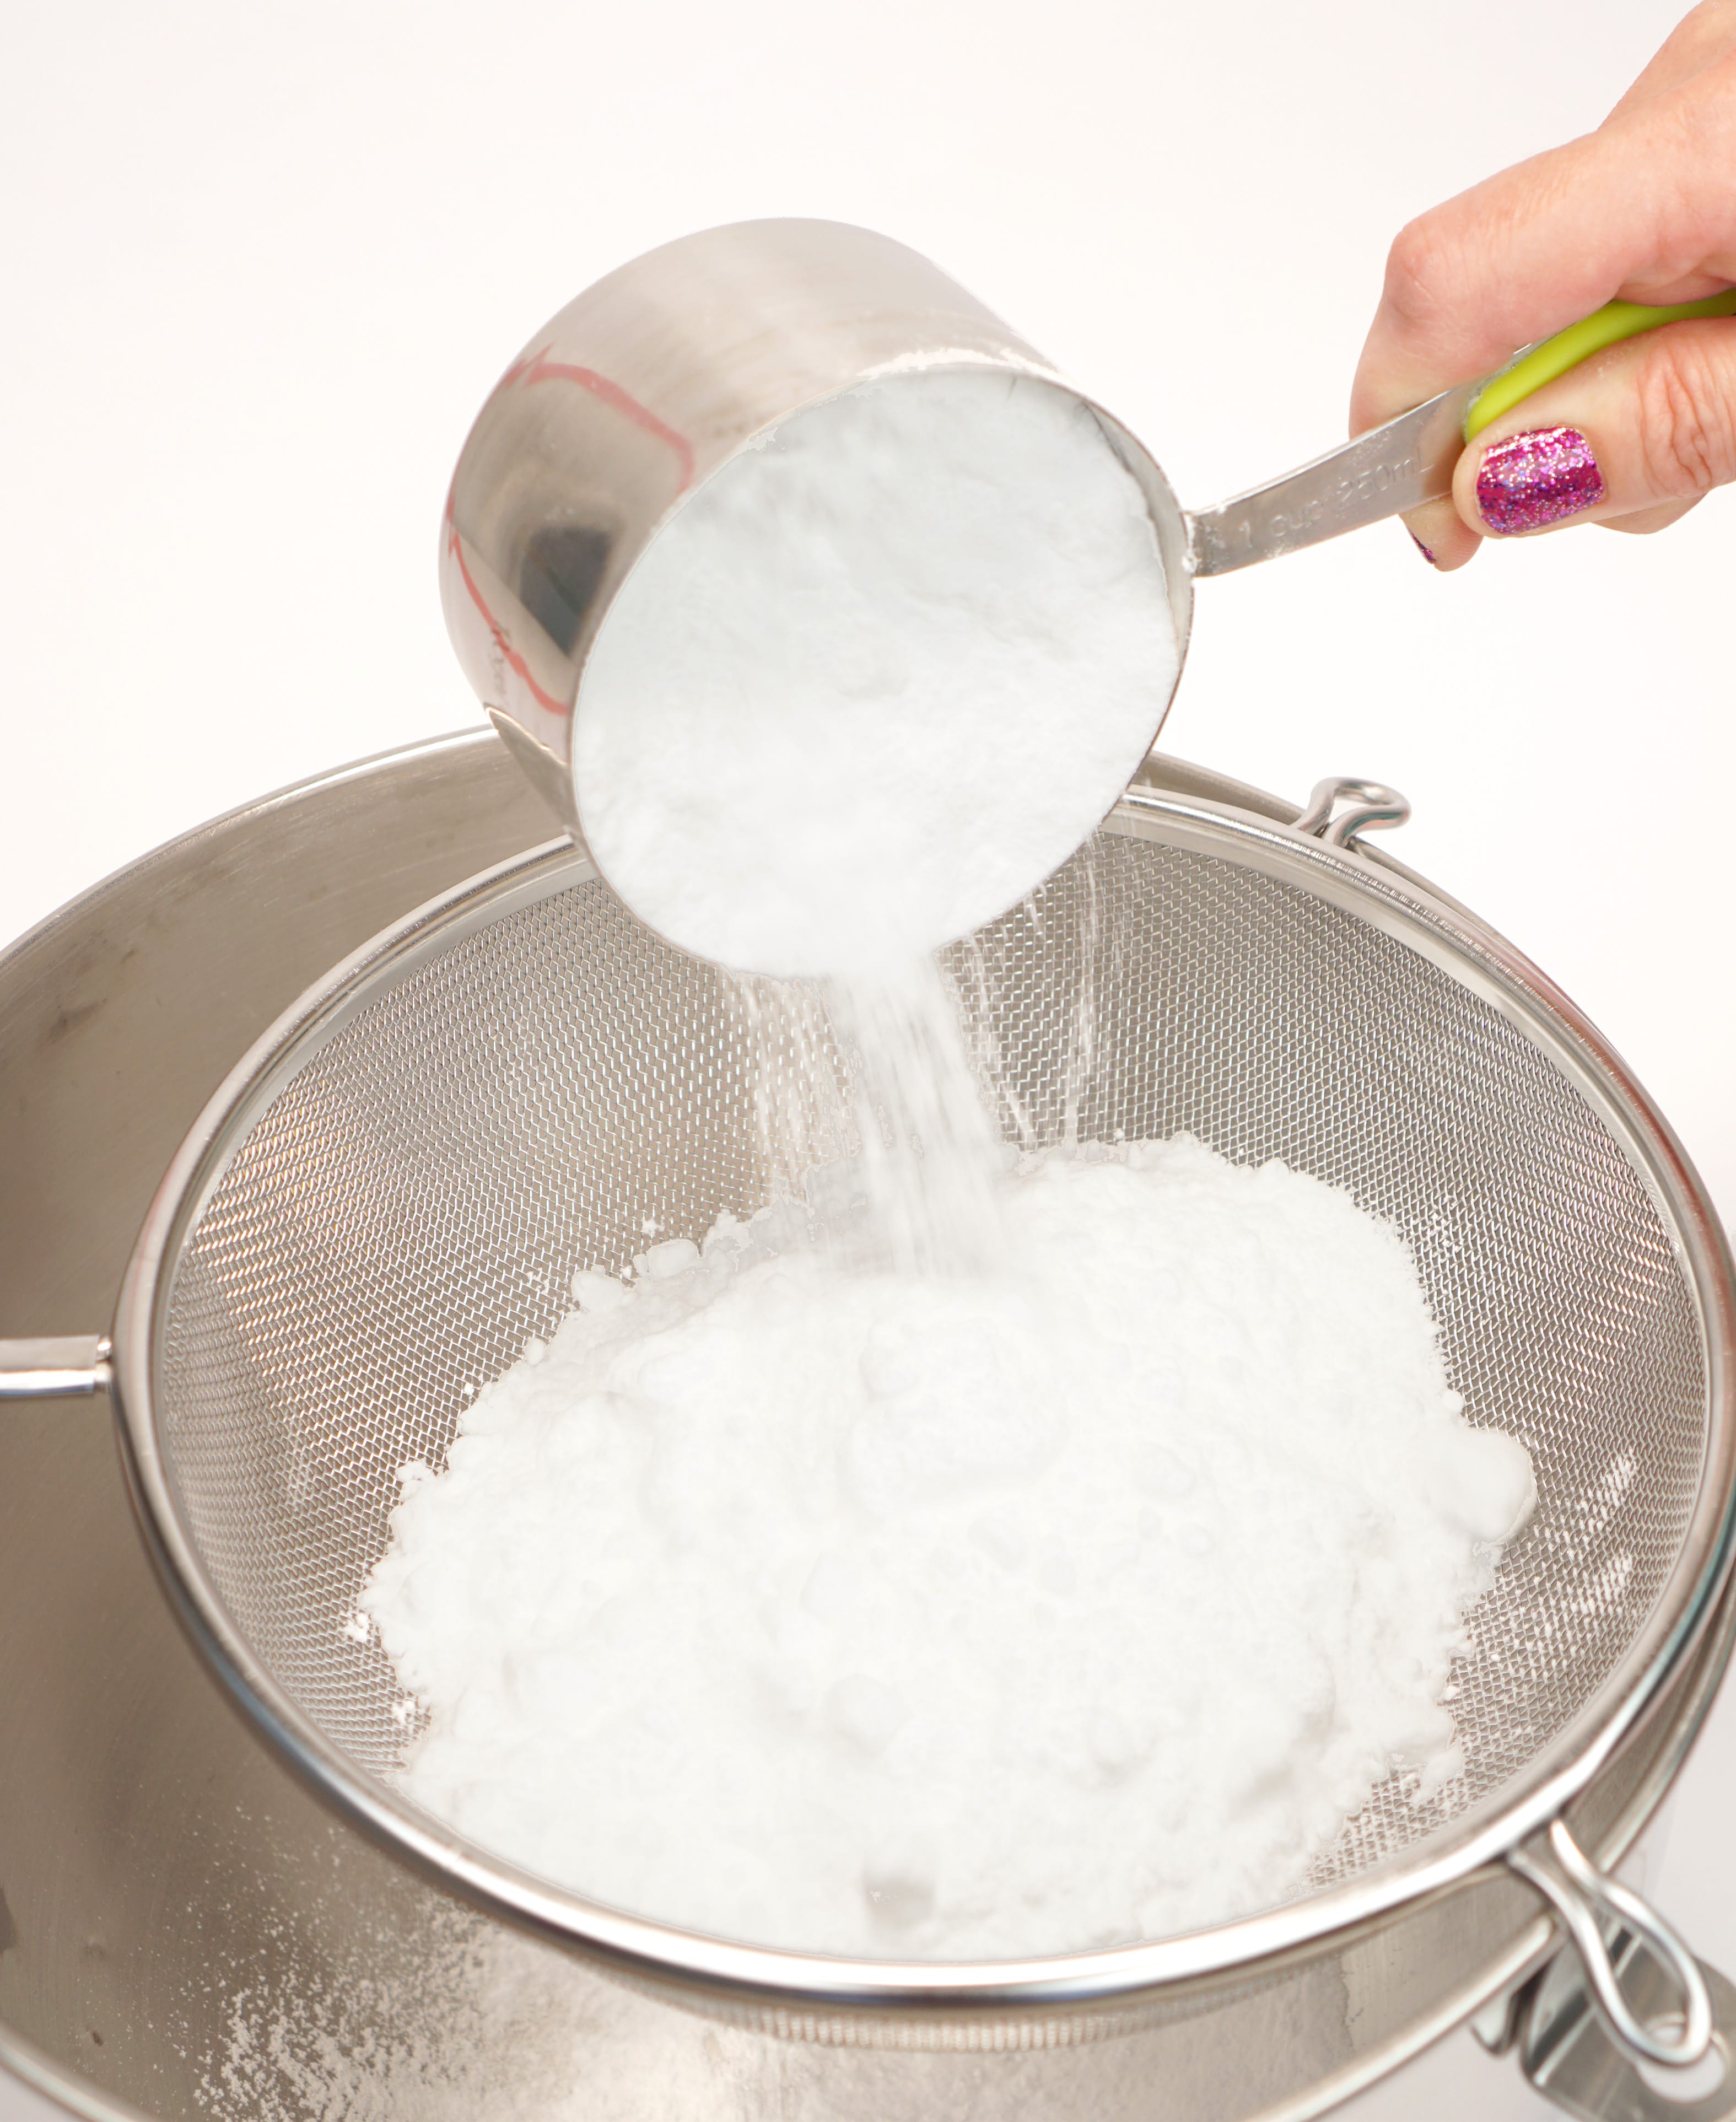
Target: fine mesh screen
(414, 1203)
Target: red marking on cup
(539, 369)
(515, 661)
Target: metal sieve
(393, 1189)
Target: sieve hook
(1340, 808)
(1585, 1900)
(56, 1368)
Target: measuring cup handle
(60, 1368)
(1533, 366)
(1411, 460)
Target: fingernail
(1536, 478)
(1420, 547)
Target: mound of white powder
(877, 679)
(979, 1615)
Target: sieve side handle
(1340, 808)
(1586, 1902)
(57, 1368)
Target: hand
(1644, 208)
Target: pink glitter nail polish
(1420, 547)
(1536, 478)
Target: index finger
(1698, 40)
(1644, 208)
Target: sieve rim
(1367, 887)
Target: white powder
(877, 679)
(1044, 1559)
(985, 1615)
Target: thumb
(1632, 438)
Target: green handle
(1567, 349)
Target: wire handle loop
(1584, 1899)
(1339, 808)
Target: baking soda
(878, 678)
(1076, 1599)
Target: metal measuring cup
(653, 379)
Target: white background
(263, 265)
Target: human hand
(1644, 208)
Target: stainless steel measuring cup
(655, 378)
